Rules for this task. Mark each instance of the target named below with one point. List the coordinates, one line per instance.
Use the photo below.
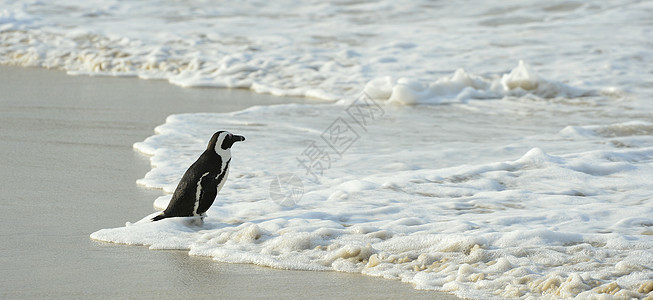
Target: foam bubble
(565, 219)
(462, 86)
(191, 45)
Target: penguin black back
(203, 180)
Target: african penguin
(203, 180)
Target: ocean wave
(461, 86)
(239, 48)
(570, 221)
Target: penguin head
(222, 141)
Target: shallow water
(479, 149)
(525, 207)
(69, 169)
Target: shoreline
(70, 170)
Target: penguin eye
(229, 136)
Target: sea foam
(564, 214)
(402, 52)
(526, 175)
(461, 86)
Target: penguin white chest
(224, 179)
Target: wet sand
(68, 169)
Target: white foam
(529, 177)
(552, 215)
(463, 86)
(333, 50)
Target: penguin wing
(183, 199)
(213, 182)
(208, 191)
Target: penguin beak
(238, 138)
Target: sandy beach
(68, 169)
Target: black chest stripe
(224, 172)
